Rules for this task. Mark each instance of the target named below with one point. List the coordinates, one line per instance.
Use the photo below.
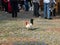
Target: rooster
(29, 25)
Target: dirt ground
(13, 31)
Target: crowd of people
(14, 6)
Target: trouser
(21, 4)
(47, 10)
(14, 6)
(36, 9)
(30, 3)
(53, 13)
(6, 7)
(26, 6)
(2, 3)
(14, 14)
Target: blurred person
(30, 5)
(14, 6)
(36, 4)
(9, 7)
(5, 3)
(0, 5)
(26, 5)
(52, 7)
(30, 1)
(21, 4)
(47, 10)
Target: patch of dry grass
(13, 31)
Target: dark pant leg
(14, 9)
(15, 14)
(12, 13)
(26, 6)
(21, 4)
(2, 5)
(36, 9)
(54, 12)
(30, 3)
(6, 7)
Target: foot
(12, 17)
(15, 16)
(45, 17)
(49, 18)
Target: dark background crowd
(13, 6)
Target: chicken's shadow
(33, 29)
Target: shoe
(39, 15)
(12, 17)
(45, 17)
(15, 16)
(49, 18)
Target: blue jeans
(26, 5)
(46, 10)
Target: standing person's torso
(0, 2)
(53, 1)
(26, 0)
(46, 1)
(5, 1)
(14, 0)
(38, 1)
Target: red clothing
(9, 7)
(5, 1)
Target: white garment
(31, 8)
(46, 1)
(38, 1)
(8, 0)
(54, 1)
